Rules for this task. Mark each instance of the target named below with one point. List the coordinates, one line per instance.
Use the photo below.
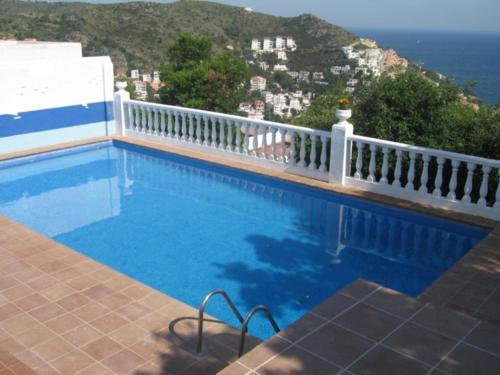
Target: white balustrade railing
(297, 149)
(445, 179)
(453, 180)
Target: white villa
(257, 83)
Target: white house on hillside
(257, 83)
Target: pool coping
(470, 287)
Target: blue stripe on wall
(55, 118)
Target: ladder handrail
(244, 327)
(201, 312)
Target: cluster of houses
(141, 82)
(281, 104)
(369, 59)
(277, 45)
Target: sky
(466, 15)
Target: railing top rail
(431, 151)
(232, 117)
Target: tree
(321, 114)
(196, 77)
(407, 108)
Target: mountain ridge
(135, 34)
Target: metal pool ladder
(244, 322)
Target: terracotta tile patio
(63, 313)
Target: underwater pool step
(244, 322)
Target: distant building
(134, 74)
(267, 45)
(352, 82)
(280, 68)
(156, 76)
(259, 105)
(146, 77)
(280, 43)
(245, 107)
(267, 96)
(257, 83)
(350, 52)
(295, 104)
(318, 76)
(140, 89)
(290, 44)
(263, 65)
(361, 69)
(368, 43)
(338, 70)
(350, 90)
(256, 46)
(304, 75)
(281, 55)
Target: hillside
(135, 34)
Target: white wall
(14, 51)
(50, 94)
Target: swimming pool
(186, 227)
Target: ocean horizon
(460, 55)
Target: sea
(462, 56)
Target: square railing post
(341, 148)
(118, 107)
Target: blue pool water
(186, 227)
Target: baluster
(359, 160)
(424, 177)
(483, 190)
(246, 145)
(162, 122)
(143, 120)
(312, 155)
(198, 129)
(191, 127)
(468, 182)
(397, 169)
(255, 140)
(497, 195)
(438, 184)
(291, 159)
(263, 153)
(371, 166)
(157, 122)
(453, 181)
(177, 125)
(150, 121)
(322, 167)
(238, 137)
(137, 121)
(229, 146)
(302, 151)
(411, 172)
(214, 133)
(282, 156)
(170, 125)
(205, 131)
(130, 117)
(273, 144)
(385, 165)
(182, 133)
(222, 134)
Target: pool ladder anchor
(244, 322)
